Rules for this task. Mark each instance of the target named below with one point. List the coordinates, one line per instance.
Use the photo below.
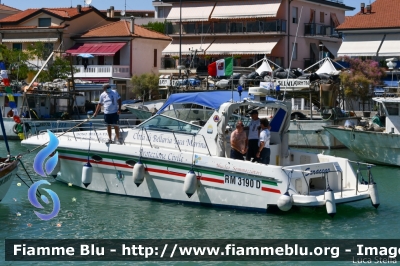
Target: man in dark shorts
(112, 108)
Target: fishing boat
(184, 158)
(374, 144)
(47, 107)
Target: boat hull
(221, 182)
(374, 147)
(7, 175)
(311, 134)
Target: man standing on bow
(112, 108)
(253, 136)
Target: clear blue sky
(120, 4)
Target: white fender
(190, 183)
(56, 169)
(373, 193)
(285, 202)
(87, 173)
(138, 173)
(330, 202)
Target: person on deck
(253, 136)
(112, 108)
(238, 142)
(264, 151)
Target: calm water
(87, 214)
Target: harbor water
(91, 215)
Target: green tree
(145, 85)
(59, 69)
(156, 26)
(16, 62)
(362, 75)
(56, 69)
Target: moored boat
(8, 169)
(375, 144)
(185, 159)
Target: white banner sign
(299, 83)
(167, 82)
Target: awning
(173, 47)
(30, 40)
(333, 47)
(191, 11)
(244, 46)
(246, 9)
(390, 46)
(99, 49)
(360, 45)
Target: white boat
(382, 147)
(185, 160)
(144, 110)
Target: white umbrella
(86, 55)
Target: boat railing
(360, 168)
(324, 175)
(77, 126)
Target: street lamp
(321, 47)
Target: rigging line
(23, 166)
(69, 130)
(291, 59)
(37, 191)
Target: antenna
(123, 13)
(88, 2)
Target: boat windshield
(165, 123)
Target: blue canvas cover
(211, 99)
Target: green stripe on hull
(146, 161)
(269, 183)
(156, 163)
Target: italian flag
(222, 67)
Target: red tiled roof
(30, 27)
(8, 8)
(385, 14)
(122, 29)
(60, 12)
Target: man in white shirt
(112, 108)
(264, 151)
(253, 136)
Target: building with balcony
(373, 33)
(248, 30)
(52, 26)
(119, 50)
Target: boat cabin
(202, 122)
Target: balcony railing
(315, 29)
(102, 71)
(228, 27)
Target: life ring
(15, 128)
